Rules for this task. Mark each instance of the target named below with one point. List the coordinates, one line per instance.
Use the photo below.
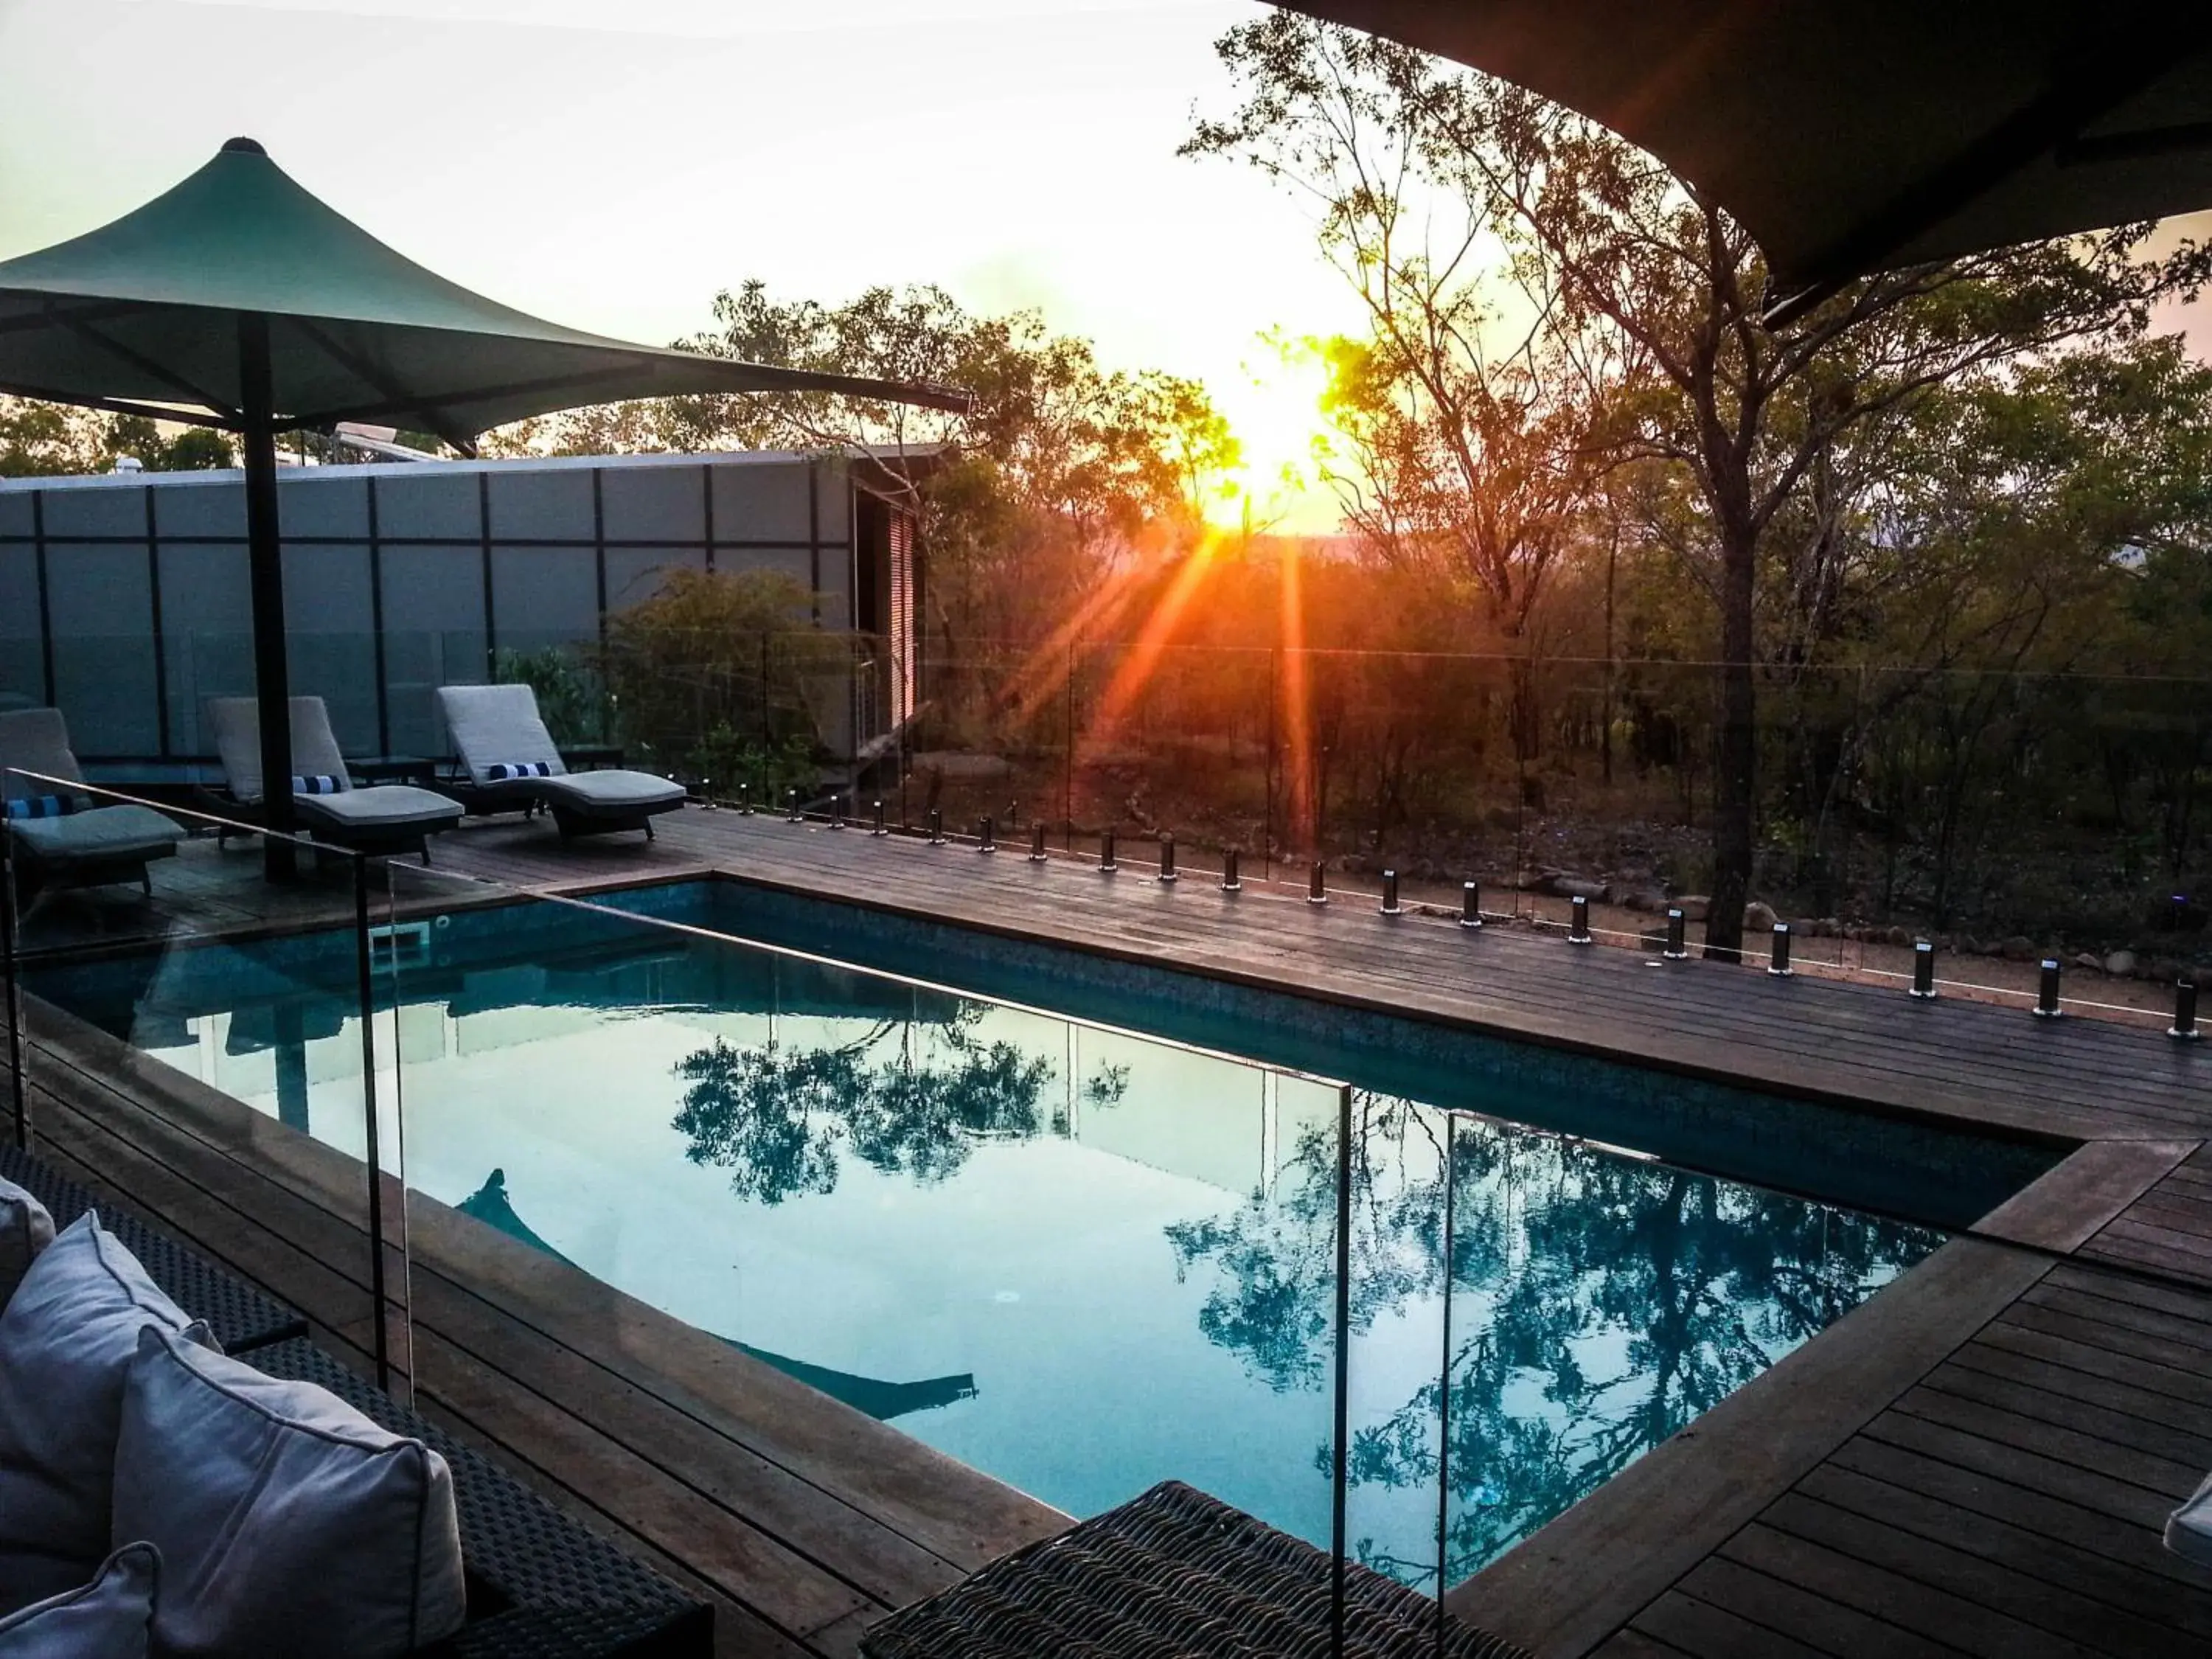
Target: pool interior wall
(1914, 1170)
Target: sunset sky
(612, 163)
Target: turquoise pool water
(1080, 1258)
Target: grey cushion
(106, 832)
(68, 1335)
(383, 806)
(611, 792)
(34, 741)
(26, 1229)
(497, 725)
(281, 1511)
(2188, 1529)
(110, 1618)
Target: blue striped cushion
(40, 806)
(321, 784)
(502, 770)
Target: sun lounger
(388, 818)
(511, 763)
(62, 838)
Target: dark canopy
(1857, 138)
(144, 311)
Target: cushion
(500, 771)
(615, 793)
(386, 806)
(279, 1509)
(110, 1618)
(38, 806)
(2188, 1529)
(26, 1229)
(321, 784)
(103, 833)
(69, 1334)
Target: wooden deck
(1977, 1461)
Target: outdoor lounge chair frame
(314, 750)
(43, 748)
(480, 719)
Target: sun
(1276, 415)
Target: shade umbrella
(1861, 137)
(239, 300)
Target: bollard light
(1470, 904)
(881, 829)
(1389, 906)
(1230, 884)
(744, 800)
(837, 811)
(1678, 935)
(1106, 851)
(791, 804)
(986, 841)
(2184, 1028)
(1779, 963)
(1316, 885)
(1037, 842)
(1578, 931)
(936, 827)
(1167, 858)
(1923, 969)
(2047, 991)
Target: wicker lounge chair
(63, 839)
(513, 764)
(386, 818)
(539, 1585)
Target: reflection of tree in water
(779, 1118)
(1599, 1303)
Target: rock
(1648, 899)
(1694, 906)
(1759, 918)
(2121, 965)
(2089, 960)
(1898, 936)
(1968, 945)
(2018, 948)
(1597, 892)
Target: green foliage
(570, 699)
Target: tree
(1600, 236)
(48, 440)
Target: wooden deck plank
(2101, 1423)
(1677, 1623)
(1810, 1619)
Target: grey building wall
(123, 600)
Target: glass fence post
(1339, 1472)
(1444, 1374)
(379, 1340)
(18, 1089)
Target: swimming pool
(1072, 1221)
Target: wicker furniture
(1169, 1574)
(540, 1586)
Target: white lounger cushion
(287, 1521)
(499, 726)
(110, 1618)
(2188, 1529)
(615, 793)
(26, 1230)
(68, 1335)
(382, 806)
(105, 832)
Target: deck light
(1778, 964)
(1578, 931)
(837, 809)
(936, 827)
(1470, 904)
(2184, 1028)
(2046, 992)
(1230, 882)
(1167, 858)
(881, 829)
(1106, 851)
(1390, 905)
(790, 801)
(744, 800)
(1923, 969)
(1316, 885)
(1678, 935)
(1037, 841)
(986, 841)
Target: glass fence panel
(202, 1033)
(1052, 1251)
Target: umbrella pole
(265, 566)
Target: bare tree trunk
(1736, 755)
